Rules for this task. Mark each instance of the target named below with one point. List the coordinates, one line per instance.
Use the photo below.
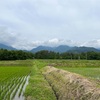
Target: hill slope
(65, 48)
(83, 49)
(2, 46)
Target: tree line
(15, 55)
(44, 54)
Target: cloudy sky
(25, 24)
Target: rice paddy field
(14, 75)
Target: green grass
(16, 63)
(73, 63)
(38, 88)
(89, 72)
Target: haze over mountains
(3, 46)
(60, 48)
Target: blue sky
(25, 24)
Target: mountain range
(65, 48)
(60, 49)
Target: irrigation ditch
(71, 86)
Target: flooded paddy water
(13, 82)
(20, 96)
(14, 90)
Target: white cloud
(36, 22)
(21, 44)
(6, 36)
(57, 42)
(54, 41)
(93, 43)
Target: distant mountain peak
(3, 46)
(60, 48)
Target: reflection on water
(14, 89)
(21, 96)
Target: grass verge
(38, 88)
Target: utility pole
(79, 57)
(86, 55)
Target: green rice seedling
(16, 89)
(19, 82)
(23, 83)
(11, 73)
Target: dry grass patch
(71, 86)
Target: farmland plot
(13, 80)
(49, 84)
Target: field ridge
(71, 86)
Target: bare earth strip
(71, 86)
